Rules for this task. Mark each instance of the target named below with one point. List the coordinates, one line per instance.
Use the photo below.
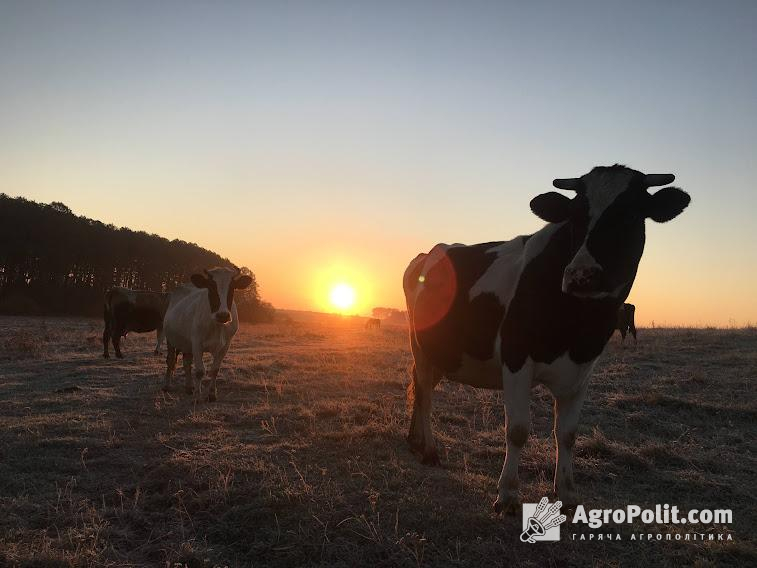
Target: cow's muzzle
(223, 317)
(583, 281)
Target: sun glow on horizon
(342, 296)
(342, 285)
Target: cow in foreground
(626, 321)
(537, 309)
(202, 318)
(128, 310)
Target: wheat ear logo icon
(542, 520)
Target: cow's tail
(411, 387)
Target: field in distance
(303, 460)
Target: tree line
(53, 262)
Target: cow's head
(221, 283)
(606, 224)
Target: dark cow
(132, 310)
(536, 309)
(626, 321)
(373, 323)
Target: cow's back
(135, 310)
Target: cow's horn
(566, 183)
(659, 179)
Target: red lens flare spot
(439, 286)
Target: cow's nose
(582, 279)
(223, 317)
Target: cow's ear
(242, 282)
(199, 280)
(667, 204)
(553, 207)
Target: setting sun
(342, 296)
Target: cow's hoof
(106, 356)
(507, 505)
(119, 356)
(430, 457)
(156, 352)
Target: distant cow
(373, 323)
(202, 319)
(625, 321)
(537, 309)
(128, 310)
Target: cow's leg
(623, 332)
(214, 368)
(171, 357)
(161, 337)
(424, 379)
(106, 338)
(199, 372)
(632, 327)
(116, 338)
(567, 412)
(415, 435)
(186, 363)
(517, 397)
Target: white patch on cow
(502, 277)
(602, 188)
(563, 376)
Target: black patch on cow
(469, 326)
(209, 284)
(213, 297)
(127, 317)
(542, 322)
(230, 296)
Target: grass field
(303, 459)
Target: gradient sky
(314, 141)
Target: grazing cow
(132, 310)
(536, 309)
(625, 321)
(373, 323)
(202, 319)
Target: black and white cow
(202, 318)
(626, 322)
(536, 309)
(128, 310)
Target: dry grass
(303, 459)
